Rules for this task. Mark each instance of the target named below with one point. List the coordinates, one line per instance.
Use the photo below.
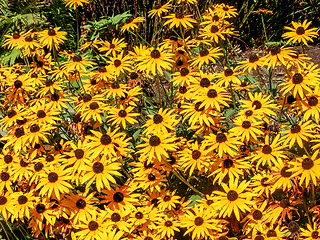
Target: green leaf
(194, 199)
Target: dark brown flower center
(34, 128)
(86, 98)
(118, 197)
(179, 15)
(209, 202)
(274, 50)
(115, 85)
(221, 137)
(246, 124)
(151, 177)
(23, 163)
(19, 132)
(148, 238)
(129, 19)
(257, 215)
(8, 159)
(11, 113)
(284, 203)
(41, 114)
(205, 82)
(259, 237)
(271, 233)
(173, 38)
(313, 101)
(98, 167)
(53, 177)
(212, 93)
(77, 58)
(215, 18)
(4, 176)
(154, 141)
(157, 6)
(94, 106)
(139, 215)
(232, 195)
(79, 153)
(102, 69)
(22, 199)
(93, 225)
(197, 107)
(51, 32)
(228, 72)
(81, 204)
(198, 221)
(157, 119)
(49, 82)
(196, 154)
(3, 200)
(55, 97)
(285, 173)
(183, 89)
(243, 84)
(155, 53)
(184, 72)
(134, 75)
(315, 234)
(295, 128)
(265, 182)
(49, 158)
(21, 122)
(117, 63)
(225, 8)
(204, 52)
(293, 226)
(223, 238)
(253, 58)
(112, 46)
(257, 104)
(122, 113)
(266, 149)
(248, 113)
(28, 38)
(307, 163)
(227, 163)
(300, 31)
(168, 224)
(40, 208)
(38, 166)
(17, 84)
(15, 35)
(105, 139)
(297, 78)
(115, 217)
(166, 198)
(214, 29)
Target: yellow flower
(159, 9)
(131, 23)
(75, 3)
(179, 19)
(52, 38)
(300, 32)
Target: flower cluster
(176, 141)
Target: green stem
(264, 27)
(232, 95)
(183, 179)
(4, 230)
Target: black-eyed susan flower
(131, 23)
(201, 222)
(6, 205)
(161, 122)
(194, 157)
(100, 173)
(235, 199)
(179, 19)
(23, 203)
(75, 3)
(115, 46)
(120, 116)
(155, 60)
(52, 38)
(247, 129)
(224, 143)
(157, 146)
(206, 56)
(159, 9)
(225, 11)
(213, 97)
(282, 176)
(307, 168)
(119, 64)
(270, 153)
(229, 76)
(54, 182)
(311, 232)
(298, 133)
(300, 32)
(262, 183)
(277, 56)
(117, 218)
(253, 62)
(78, 63)
(185, 76)
(167, 226)
(15, 40)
